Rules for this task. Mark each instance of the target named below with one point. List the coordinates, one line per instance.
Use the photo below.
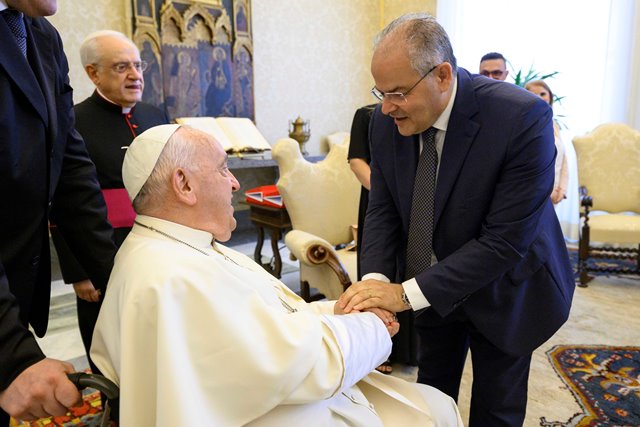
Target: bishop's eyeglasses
(123, 67)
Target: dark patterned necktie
(419, 242)
(14, 21)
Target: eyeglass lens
(121, 67)
(494, 73)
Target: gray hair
(179, 152)
(427, 42)
(89, 49)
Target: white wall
(311, 60)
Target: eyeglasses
(496, 74)
(123, 67)
(398, 97)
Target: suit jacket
(105, 130)
(44, 172)
(502, 256)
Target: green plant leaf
(521, 79)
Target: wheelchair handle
(83, 380)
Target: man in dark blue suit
(497, 278)
(45, 172)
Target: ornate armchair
(322, 202)
(609, 175)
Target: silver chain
(172, 238)
(286, 305)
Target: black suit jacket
(44, 172)
(502, 256)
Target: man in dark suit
(107, 121)
(495, 276)
(45, 172)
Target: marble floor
(605, 313)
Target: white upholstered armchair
(609, 174)
(322, 202)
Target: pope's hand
(372, 293)
(393, 328)
(40, 391)
(388, 318)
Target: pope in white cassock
(198, 334)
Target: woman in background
(559, 192)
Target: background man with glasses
(494, 66)
(459, 217)
(108, 121)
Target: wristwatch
(405, 300)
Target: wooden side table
(277, 221)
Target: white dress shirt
(412, 290)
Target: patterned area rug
(604, 381)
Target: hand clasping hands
(388, 317)
(372, 293)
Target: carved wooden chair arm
(313, 250)
(585, 199)
(318, 254)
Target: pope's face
(34, 8)
(124, 88)
(216, 185)
(421, 107)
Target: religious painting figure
(204, 65)
(218, 99)
(153, 76)
(244, 96)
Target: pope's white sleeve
(364, 343)
(321, 307)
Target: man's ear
(183, 187)
(444, 76)
(92, 72)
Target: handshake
(381, 298)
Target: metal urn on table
(299, 130)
